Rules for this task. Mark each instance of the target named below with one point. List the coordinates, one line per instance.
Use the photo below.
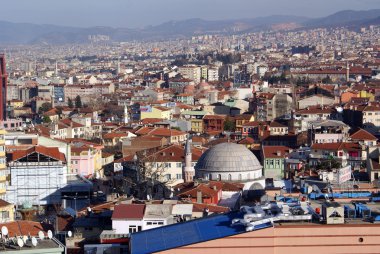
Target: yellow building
(3, 167)
(16, 103)
(7, 212)
(155, 112)
(366, 94)
(197, 125)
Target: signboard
(344, 174)
(145, 109)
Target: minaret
(188, 169)
(56, 68)
(347, 72)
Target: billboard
(145, 109)
(344, 174)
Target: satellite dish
(20, 243)
(4, 230)
(97, 175)
(70, 234)
(24, 238)
(89, 209)
(41, 235)
(50, 234)
(34, 241)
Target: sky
(141, 13)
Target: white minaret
(56, 68)
(188, 169)
(126, 118)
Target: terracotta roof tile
(130, 211)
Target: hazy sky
(140, 13)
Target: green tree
(46, 119)
(78, 102)
(70, 103)
(46, 106)
(229, 125)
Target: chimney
(199, 197)
(214, 187)
(278, 153)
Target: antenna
(4, 230)
(41, 235)
(70, 234)
(34, 241)
(50, 234)
(20, 243)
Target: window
(179, 176)
(4, 215)
(219, 177)
(179, 164)
(133, 229)
(168, 177)
(229, 177)
(240, 177)
(210, 177)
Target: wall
(122, 226)
(295, 239)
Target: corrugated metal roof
(185, 233)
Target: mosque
(227, 162)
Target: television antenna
(20, 243)
(41, 235)
(34, 241)
(50, 234)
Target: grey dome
(228, 157)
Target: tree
(70, 103)
(46, 119)
(229, 125)
(78, 102)
(46, 106)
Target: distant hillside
(344, 18)
(24, 33)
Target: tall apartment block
(3, 88)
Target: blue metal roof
(185, 233)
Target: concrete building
(3, 165)
(191, 72)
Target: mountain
(344, 18)
(25, 33)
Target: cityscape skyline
(117, 13)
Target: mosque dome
(228, 161)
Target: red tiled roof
(246, 141)
(130, 211)
(166, 132)
(211, 208)
(277, 125)
(23, 227)
(52, 152)
(112, 135)
(210, 117)
(336, 146)
(4, 203)
(275, 151)
(363, 135)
